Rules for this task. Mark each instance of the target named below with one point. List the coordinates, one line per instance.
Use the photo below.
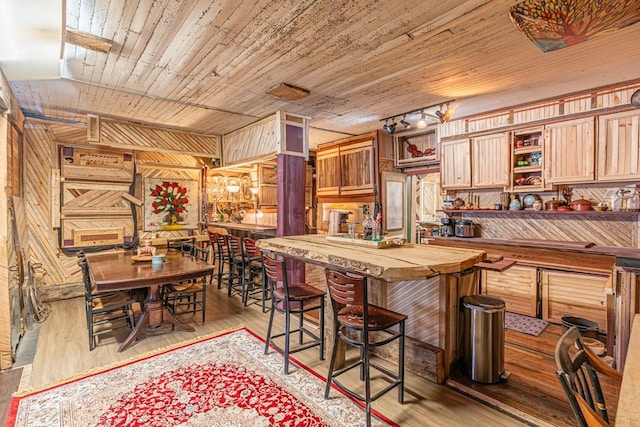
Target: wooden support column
(291, 178)
(5, 311)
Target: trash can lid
(482, 302)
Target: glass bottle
(368, 225)
(377, 233)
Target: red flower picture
(169, 197)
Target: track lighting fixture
(443, 114)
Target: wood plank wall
(252, 142)
(620, 230)
(40, 158)
(131, 136)
(43, 140)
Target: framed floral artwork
(170, 204)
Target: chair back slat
(235, 246)
(185, 245)
(223, 246)
(344, 289)
(274, 269)
(250, 247)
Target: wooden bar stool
(290, 299)
(255, 272)
(356, 322)
(238, 267)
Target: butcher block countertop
(404, 262)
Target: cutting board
(562, 244)
(367, 243)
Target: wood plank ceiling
(206, 65)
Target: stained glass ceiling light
(556, 24)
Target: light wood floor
(62, 351)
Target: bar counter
(254, 231)
(421, 281)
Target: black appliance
(446, 229)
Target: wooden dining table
(117, 271)
(628, 410)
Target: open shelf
(526, 169)
(603, 214)
(527, 150)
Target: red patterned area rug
(221, 380)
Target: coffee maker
(446, 229)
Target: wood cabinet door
(516, 286)
(574, 294)
(619, 147)
(490, 161)
(356, 168)
(455, 164)
(328, 172)
(570, 151)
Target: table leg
(142, 322)
(167, 316)
(154, 313)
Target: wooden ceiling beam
(87, 40)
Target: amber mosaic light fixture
(556, 24)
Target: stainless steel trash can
(483, 337)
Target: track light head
(446, 115)
(390, 128)
(422, 123)
(405, 123)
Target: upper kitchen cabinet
(328, 171)
(570, 151)
(490, 161)
(619, 147)
(455, 164)
(417, 147)
(356, 168)
(351, 167)
(479, 162)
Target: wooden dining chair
(105, 312)
(364, 326)
(188, 297)
(578, 370)
(185, 245)
(292, 299)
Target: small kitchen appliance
(446, 229)
(464, 228)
